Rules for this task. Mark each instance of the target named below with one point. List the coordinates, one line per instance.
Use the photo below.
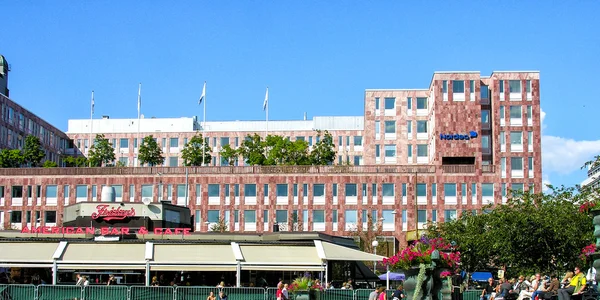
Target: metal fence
(98, 292)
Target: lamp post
(375, 243)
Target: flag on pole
(93, 103)
(203, 94)
(266, 100)
(139, 99)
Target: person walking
(374, 294)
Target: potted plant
(420, 261)
(446, 277)
(305, 288)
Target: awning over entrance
(32, 255)
(277, 257)
(336, 252)
(193, 258)
(102, 256)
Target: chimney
(304, 116)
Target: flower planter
(306, 295)
(410, 284)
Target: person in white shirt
(591, 277)
(286, 296)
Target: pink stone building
(416, 156)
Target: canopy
(34, 255)
(277, 257)
(337, 252)
(98, 256)
(393, 276)
(481, 276)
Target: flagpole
(267, 113)
(204, 124)
(91, 126)
(139, 143)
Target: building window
(421, 216)
(472, 86)
(81, 191)
(501, 86)
(50, 216)
(282, 190)
(51, 191)
(404, 190)
(377, 103)
(434, 190)
(529, 113)
(487, 190)
(281, 216)
(390, 103)
(390, 150)
(173, 161)
(450, 215)
(351, 190)
(318, 216)
(485, 117)
(266, 190)
(445, 86)
(530, 138)
(387, 189)
(502, 138)
(295, 189)
(409, 103)
(409, 127)
(485, 141)
(377, 127)
(249, 216)
(409, 151)
(358, 141)
(318, 190)
(214, 190)
(357, 160)
(421, 126)
(334, 216)
(516, 163)
(450, 189)
(484, 92)
(516, 138)
(421, 190)
(340, 140)
(124, 143)
(213, 216)
(458, 86)
(517, 187)
(351, 216)
(390, 127)
(515, 86)
(249, 190)
(421, 103)
(422, 150)
(503, 165)
(174, 142)
(515, 112)
(16, 216)
(503, 190)
(530, 164)
(147, 191)
(65, 192)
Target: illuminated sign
(104, 230)
(108, 213)
(456, 136)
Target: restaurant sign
(105, 230)
(108, 213)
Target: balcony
(466, 169)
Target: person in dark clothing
(486, 294)
(457, 282)
(398, 293)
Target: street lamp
(375, 243)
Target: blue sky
(316, 57)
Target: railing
(102, 292)
(392, 169)
(466, 169)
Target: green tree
(252, 150)
(366, 236)
(323, 153)
(150, 153)
(50, 164)
(220, 226)
(282, 151)
(72, 162)
(229, 154)
(101, 152)
(194, 149)
(11, 158)
(33, 152)
(530, 233)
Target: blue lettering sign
(458, 137)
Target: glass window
(335, 190)
(474, 190)
(358, 141)
(180, 190)
(131, 192)
(528, 111)
(502, 114)
(421, 216)
(404, 190)
(249, 216)
(310, 140)
(450, 215)
(504, 190)
(458, 86)
(503, 164)
(409, 150)
(530, 138)
(421, 126)
(374, 189)
(502, 138)
(445, 86)
(450, 189)
(282, 190)
(409, 103)
(517, 187)
(334, 216)
(487, 190)
(516, 163)
(318, 216)
(404, 219)
(174, 142)
(390, 150)
(485, 116)
(387, 189)
(409, 127)
(377, 103)
(357, 159)
(65, 192)
(421, 190)
(530, 163)
(213, 216)
(281, 216)
(51, 191)
(351, 216)
(463, 188)
(485, 141)
(501, 86)
(50, 216)
(390, 127)
(295, 189)
(516, 138)
(515, 112)
(484, 91)
(472, 86)
(250, 190)
(81, 191)
(351, 190)
(377, 127)
(388, 216)
(147, 191)
(377, 151)
(433, 215)
(528, 86)
(340, 139)
(318, 190)
(266, 190)
(214, 190)
(124, 143)
(433, 189)
(16, 216)
(422, 150)
(390, 103)
(224, 141)
(421, 103)
(515, 86)
(173, 161)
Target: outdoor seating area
(97, 292)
